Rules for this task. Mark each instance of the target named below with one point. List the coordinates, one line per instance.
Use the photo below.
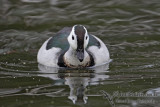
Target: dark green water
(129, 28)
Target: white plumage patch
(48, 57)
(100, 55)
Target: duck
(73, 47)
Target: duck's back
(60, 39)
(53, 47)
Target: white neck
(70, 58)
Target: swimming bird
(73, 47)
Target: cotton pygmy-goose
(73, 47)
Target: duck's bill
(80, 55)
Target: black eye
(86, 37)
(72, 37)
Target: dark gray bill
(80, 54)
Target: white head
(78, 40)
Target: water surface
(129, 28)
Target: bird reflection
(76, 79)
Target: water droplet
(52, 102)
(26, 90)
(24, 63)
(31, 101)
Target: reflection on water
(77, 80)
(98, 86)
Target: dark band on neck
(61, 62)
(92, 63)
